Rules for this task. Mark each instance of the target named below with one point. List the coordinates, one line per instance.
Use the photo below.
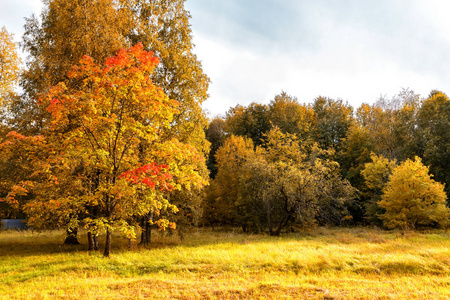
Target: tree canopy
(412, 198)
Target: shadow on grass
(29, 243)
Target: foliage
(65, 31)
(433, 136)
(332, 121)
(162, 26)
(9, 65)
(376, 176)
(221, 207)
(412, 198)
(391, 124)
(251, 122)
(216, 135)
(21, 165)
(69, 29)
(356, 150)
(114, 124)
(283, 183)
(290, 116)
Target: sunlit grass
(323, 264)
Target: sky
(354, 50)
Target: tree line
(293, 165)
(108, 134)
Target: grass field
(356, 263)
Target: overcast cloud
(350, 49)
(355, 50)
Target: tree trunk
(90, 238)
(107, 243)
(92, 241)
(283, 222)
(95, 237)
(71, 238)
(146, 234)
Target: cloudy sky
(355, 50)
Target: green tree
(333, 118)
(216, 135)
(412, 198)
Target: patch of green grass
(356, 263)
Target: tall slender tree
(9, 65)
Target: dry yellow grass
(324, 264)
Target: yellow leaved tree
(412, 198)
(9, 65)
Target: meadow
(349, 263)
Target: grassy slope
(325, 264)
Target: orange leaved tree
(109, 127)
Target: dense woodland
(289, 165)
(108, 134)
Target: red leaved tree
(115, 161)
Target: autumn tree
(252, 122)
(163, 27)
(433, 136)
(391, 124)
(307, 183)
(10, 167)
(285, 182)
(221, 205)
(20, 165)
(113, 126)
(9, 73)
(9, 66)
(216, 135)
(412, 198)
(65, 31)
(406, 130)
(286, 113)
(376, 176)
(355, 153)
(333, 118)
